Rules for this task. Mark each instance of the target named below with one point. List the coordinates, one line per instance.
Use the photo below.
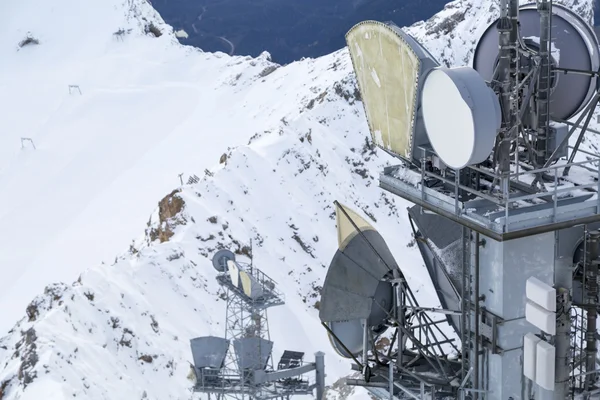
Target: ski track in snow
(150, 109)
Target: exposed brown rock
(146, 358)
(168, 209)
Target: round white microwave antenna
(462, 115)
(574, 45)
(219, 260)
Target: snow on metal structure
(505, 218)
(240, 365)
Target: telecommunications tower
(506, 215)
(239, 366)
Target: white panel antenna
(530, 342)
(540, 318)
(541, 294)
(545, 365)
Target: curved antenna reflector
(388, 64)
(462, 115)
(350, 333)
(574, 46)
(209, 351)
(440, 244)
(354, 288)
(252, 352)
(251, 286)
(219, 260)
(234, 272)
(347, 222)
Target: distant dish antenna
(390, 66)
(219, 260)
(574, 47)
(462, 115)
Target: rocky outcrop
(169, 216)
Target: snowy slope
(279, 192)
(151, 109)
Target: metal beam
(499, 237)
(261, 376)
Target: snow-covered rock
(272, 146)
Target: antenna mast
(240, 366)
(510, 238)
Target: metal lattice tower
(240, 365)
(246, 317)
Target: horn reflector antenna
(354, 288)
(234, 272)
(389, 66)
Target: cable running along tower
(506, 215)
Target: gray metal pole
(399, 310)
(543, 101)
(591, 303)
(320, 374)
(563, 282)
(476, 384)
(507, 70)
(391, 379)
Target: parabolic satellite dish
(574, 46)
(389, 66)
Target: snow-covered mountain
(273, 147)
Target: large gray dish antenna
(219, 260)
(389, 66)
(575, 47)
(355, 289)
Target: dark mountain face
(288, 29)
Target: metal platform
(269, 295)
(228, 382)
(518, 212)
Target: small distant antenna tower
(240, 365)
